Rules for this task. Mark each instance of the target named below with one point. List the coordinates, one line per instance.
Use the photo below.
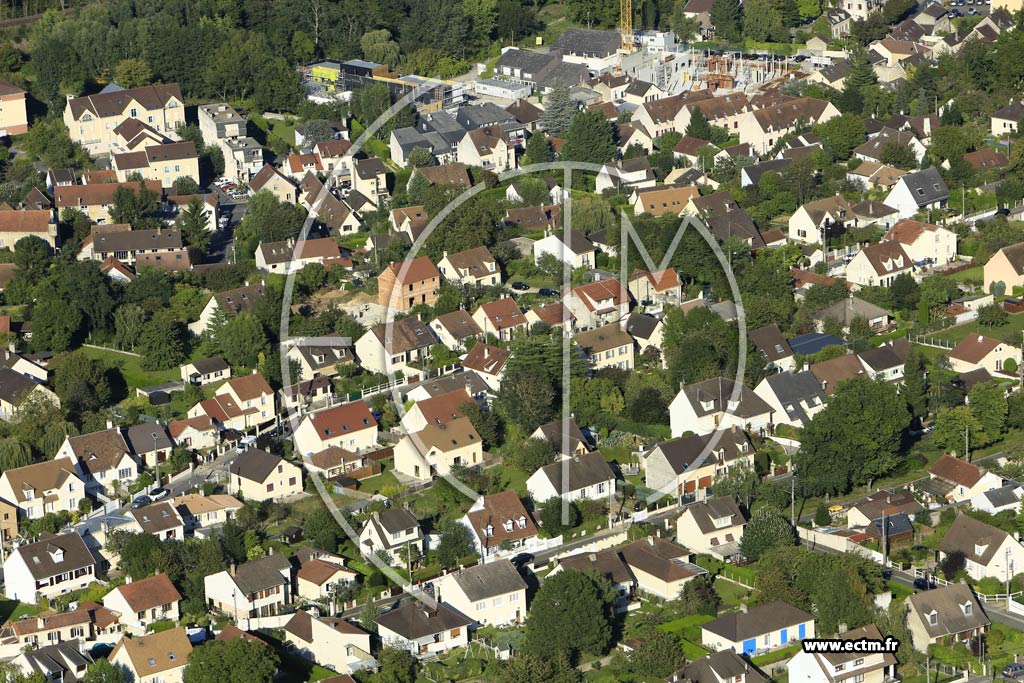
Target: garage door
(749, 646)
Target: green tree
(590, 139)
(915, 383)
(727, 17)
(551, 517)
(397, 665)
(899, 155)
(989, 407)
(420, 156)
(822, 516)
(242, 339)
(526, 396)
(238, 660)
(698, 127)
(763, 21)
(538, 150)
(454, 544)
(129, 321)
(162, 342)
(532, 455)
(81, 383)
(559, 111)
(842, 134)
(134, 205)
(526, 668)
(658, 656)
(861, 74)
(102, 671)
(992, 315)
(322, 529)
(193, 222)
(378, 47)
(571, 613)
(766, 530)
(55, 324)
(133, 73)
(32, 258)
(953, 427)
(855, 440)
(740, 482)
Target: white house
(49, 567)
(716, 404)
(760, 629)
(917, 192)
(423, 630)
(573, 478)
(491, 594)
(989, 552)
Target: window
(496, 602)
(291, 481)
(270, 488)
(858, 662)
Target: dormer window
(979, 549)
(707, 405)
(968, 609)
(933, 618)
(522, 522)
(57, 555)
(489, 531)
(507, 526)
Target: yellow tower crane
(626, 24)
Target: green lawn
(11, 610)
(1010, 332)
(295, 669)
(974, 273)
(732, 594)
(128, 365)
(385, 482)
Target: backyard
(127, 365)
(1010, 332)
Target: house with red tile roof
(957, 480)
(406, 284)
(437, 410)
(878, 265)
(977, 351)
(501, 318)
(241, 403)
(662, 286)
(498, 520)
(924, 242)
(144, 602)
(488, 362)
(350, 426)
(598, 303)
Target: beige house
(486, 148)
(258, 475)
(276, 183)
(96, 199)
(474, 266)
(607, 347)
(91, 120)
(500, 525)
(853, 667)
(370, 180)
(154, 658)
(714, 527)
(1007, 120)
(103, 460)
(144, 602)
(816, 219)
(16, 225)
(158, 519)
(763, 128)
(13, 114)
(663, 286)
(661, 568)
(89, 622)
(957, 480)
(319, 573)
(576, 250)
(944, 616)
(16, 388)
(436, 448)
(1006, 267)
(598, 303)
(926, 242)
(492, 594)
(161, 163)
(350, 426)
(197, 433)
(331, 642)
(988, 552)
(43, 488)
(257, 588)
(241, 403)
(687, 468)
(424, 631)
(198, 511)
(978, 351)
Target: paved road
(222, 245)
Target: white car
(158, 493)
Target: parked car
(159, 493)
(547, 291)
(520, 286)
(522, 558)
(922, 584)
(1013, 671)
(141, 502)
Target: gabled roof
(716, 393)
(601, 339)
(684, 453)
(347, 418)
(582, 471)
(926, 186)
(757, 621)
(114, 103)
(947, 603)
(404, 335)
(263, 573)
(485, 358)
(769, 341)
(783, 115)
(974, 348)
(414, 620)
(156, 652)
(887, 257)
(504, 515)
(54, 555)
(255, 465)
(450, 436)
(956, 471)
(156, 518)
(978, 541)
(486, 581)
(39, 477)
(152, 591)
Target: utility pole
(792, 499)
(1009, 571)
(928, 669)
(967, 443)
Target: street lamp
(1009, 573)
